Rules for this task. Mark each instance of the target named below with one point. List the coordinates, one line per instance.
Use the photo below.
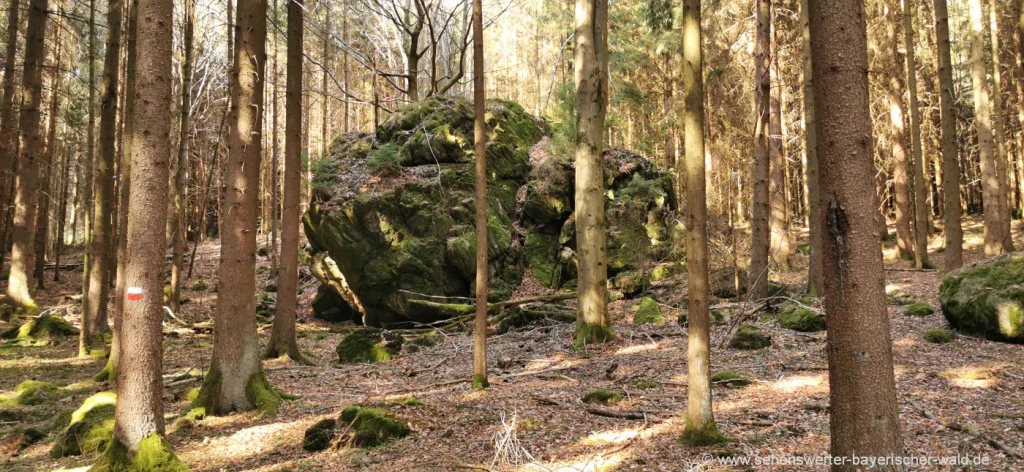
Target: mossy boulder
(27, 393)
(91, 427)
(750, 337)
(373, 426)
(731, 378)
(602, 396)
(986, 299)
(319, 436)
(938, 336)
(648, 312)
(392, 216)
(918, 310)
(801, 319)
(40, 331)
(368, 345)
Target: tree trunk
(236, 376)
(31, 152)
(1018, 33)
(591, 75)
(997, 125)
(953, 257)
(983, 124)
(700, 420)
(778, 216)
(46, 171)
(88, 321)
(275, 162)
(282, 337)
(859, 347)
(918, 166)
(760, 235)
(480, 184)
(8, 122)
(810, 148)
(176, 217)
(139, 419)
(897, 136)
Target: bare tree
(480, 174)
(760, 234)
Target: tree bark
(810, 148)
(176, 215)
(918, 166)
(31, 145)
(897, 136)
(46, 171)
(859, 343)
(700, 420)
(760, 235)
(591, 76)
(953, 257)
(282, 337)
(983, 124)
(997, 125)
(778, 219)
(8, 122)
(480, 184)
(87, 192)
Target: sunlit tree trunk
(31, 153)
(983, 124)
(897, 134)
(778, 216)
(85, 337)
(953, 256)
(591, 64)
(760, 236)
(810, 148)
(480, 178)
(997, 125)
(864, 412)
(176, 214)
(918, 166)
(8, 122)
(46, 171)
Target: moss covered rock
(29, 392)
(373, 426)
(649, 312)
(749, 336)
(918, 309)
(938, 336)
(986, 299)
(91, 427)
(368, 345)
(801, 319)
(38, 331)
(731, 378)
(602, 396)
(319, 436)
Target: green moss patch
(918, 309)
(731, 378)
(368, 345)
(373, 426)
(589, 333)
(702, 437)
(319, 436)
(602, 396)
(938, 336)
(39, 331)
(750, 337)
(261, 394)
(649, 312)
(29, 392)
(644, 384)
(801, 319)
(90, 430)
(154, 455)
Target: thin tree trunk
(778, 215)
(31, 153)
(997, 125)
(897, 137)
(983, 124)
(953, 257)
(700, 419)
(88, 321)
(918, 166)
(480, 184)
(810, 148)
(58, 243)
(859, 347)
(1018, 33)
(275, 162)
(176, 218)
(591, 64)
(760, 234)
(46, 171)
(8, 124)
(282, 337)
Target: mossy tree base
(285, 351)
(591, 333)
(154, 455)
(265, 400)
(480, 382)
(708, 435)
(108, 374)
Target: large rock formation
(391, 221)
(986, 299)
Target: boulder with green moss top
(986, 299)
(90, 429)
(938, 336)
(918, 310)
(368, 345)
(648, 312)
(798, 318)
(27, 393)
(731, 378)
(373, 426)
(392, 216)
(749, 336)
(39, 331)
(319, 436)
(602, 396)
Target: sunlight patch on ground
(636, 348)
(617, 448)
(905, 342)
(813, 383)
(245, 443)
(971, 377)
(610, 437)
(38, 362)
(891, 289)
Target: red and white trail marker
(134, 293)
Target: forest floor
(961, 398)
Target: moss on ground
(373, 426)
(29, 392)
(702, 437)
(801, 319)
(154, 455)
(368, 345)
(602, 396)
(319, 436)
(90, 428)
(938, 336)
(749, 337)
(731, 378)
(918, 309)
(649, 312)
(644, 384)
(590, 333)
(39, 331)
